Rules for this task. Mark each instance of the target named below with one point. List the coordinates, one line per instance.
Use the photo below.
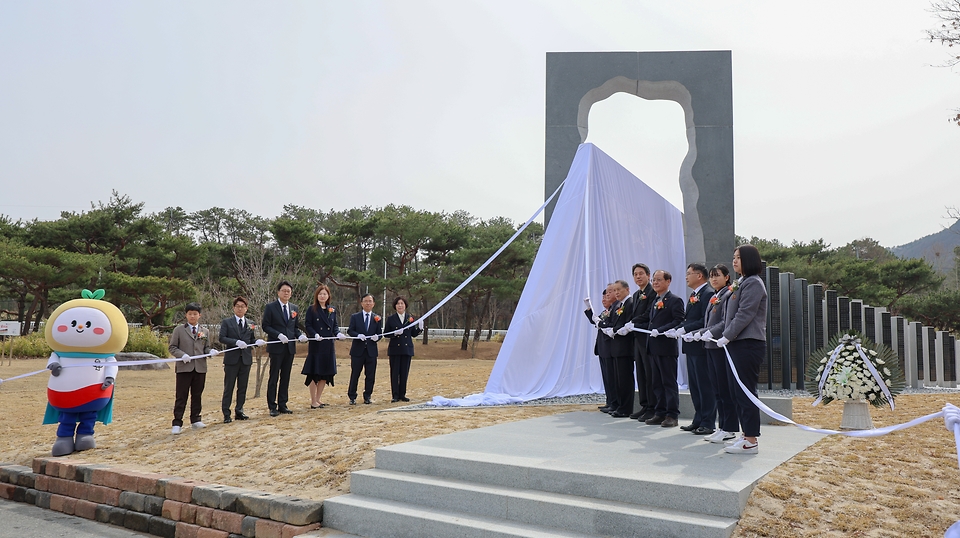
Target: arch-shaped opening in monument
(647, 137)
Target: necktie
(194, 331)
(286, 315)
(240, 324)
(366, 321)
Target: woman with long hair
(400, 349)
(320, 366)
(745, 337)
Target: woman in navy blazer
(320, 366)
(745, 337)
(400, 349)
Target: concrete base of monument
(574, 474)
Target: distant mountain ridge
(935, 248)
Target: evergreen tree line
(153, 264)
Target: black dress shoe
(689, 427)
(367, 401)
(274, 413)
(646, 416)
(604, 409)
(703, 431)
(618, 414)
(669, 422)
(227, 419)
(636, 415)
(395, 400)
(240, 415)
(286, 411)
(404, 399)
(353, 402)
(656, 420)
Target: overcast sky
(840, 117)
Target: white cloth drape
(605, 221)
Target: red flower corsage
(715, 299)
(620, 311)
(410, 319)
(643, 296)
(694, 299)
(293, 314)
(330, 309)
(376, 318)
(659, 305)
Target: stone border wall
(167, 506)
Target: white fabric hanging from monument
(605, 221)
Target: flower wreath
(853, 368)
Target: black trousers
(701, 392)
(367, 365)
(234, 375)
(665, 388)
(399, 371)
(727, 413)
(188, 383)
(644, 372)
(608, 371)
(625, 384)
(747, 356)
(278, 384)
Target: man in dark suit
(363, 351)
(280, 323)
(642, 301)
(236, 331)
(666, 314)
(602, 350)
(698, 379)
(621, 348)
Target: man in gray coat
(188, 341)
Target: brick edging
(167, 506)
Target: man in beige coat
(186, 342)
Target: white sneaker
(742, 446)
(175, 430)
(198, 424)
(720, 436)
(736, 437)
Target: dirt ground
(903, 484)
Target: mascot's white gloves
(706, 335)
(283, 338)
(341, 336)
(688, 337)
(186, 358)
(680, 331)
(671, 333)
(722, 342)
(106, 383)
(241, 344)
(375, 337)
(608, 331)
(302, 338)
(214, 352)
(259, 342)
(654, 333)
(420, 324)
(54, 368)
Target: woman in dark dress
(400, 349)
(321, 363)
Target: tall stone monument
(701, 82)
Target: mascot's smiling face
(81, 326)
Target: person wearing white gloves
(717, 368)
(698, 378)
(236, 331)
(187, 342)
(280, 322)
(745, 337)
(322, 327)
(401, 330)
(602, 348)
(665, 314)
(366, 327)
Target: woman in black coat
(400, 349)
(321, 363)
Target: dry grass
(904, 484)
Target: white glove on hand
(241, 344)
(341, 336)
(302, 338)
(671, 333)
(629, 326)
(596, 320)
(654, 333)
(586, 301)
(283, 338)
(608, 331)
(706, 335)
(695, 336)
(722, 342)
(362, 337)
(186, 358)
(316, 337)
(623, 331)
(375, 337)
(260, 342)
(688, 337)
(214, 352)
(420, 324)
(680, 331)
